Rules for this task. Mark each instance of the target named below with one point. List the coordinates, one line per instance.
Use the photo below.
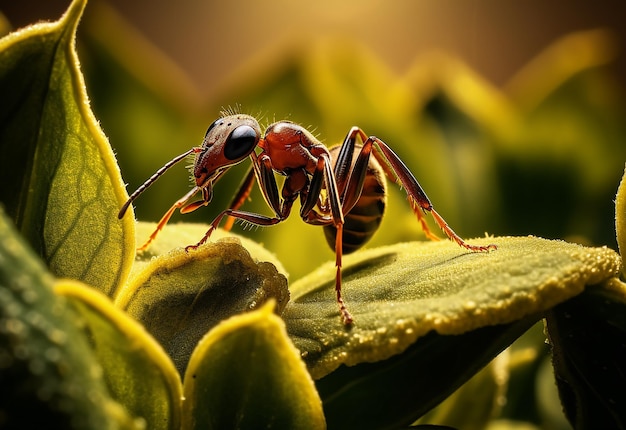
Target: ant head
(228, 141)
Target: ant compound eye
(241, 142)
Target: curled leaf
(201, 288)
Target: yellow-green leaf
(246, 374)
(201, 288)
(60, 181)
(427, 317)
(138, 372)
(401, 292)
(49, 376)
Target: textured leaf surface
(246, 374)
(138, 372)
(60, 182)
(399, 293)
(49, 376)
(201, 288)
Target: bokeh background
(510, 114)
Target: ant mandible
(338, 196)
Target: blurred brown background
(208, 39)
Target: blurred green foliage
(541, 156)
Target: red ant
(345, 196)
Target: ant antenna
(153, 178)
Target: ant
(344, 194)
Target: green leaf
(246, 374)
(588, 338)
(201, 287)
(427, 317)
(399, 293)
(49, 376)
(60, 180)
(138, 372)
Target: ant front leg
(264, 174)
(180, 204)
